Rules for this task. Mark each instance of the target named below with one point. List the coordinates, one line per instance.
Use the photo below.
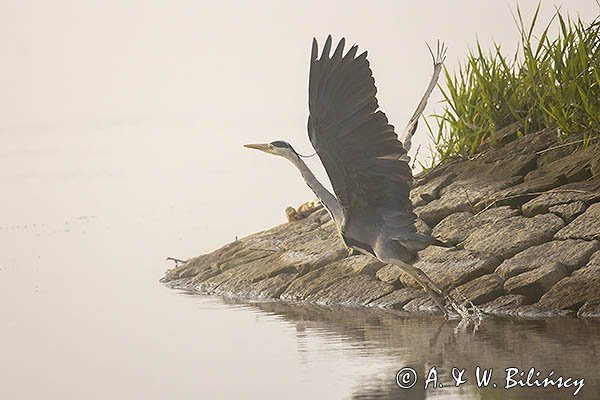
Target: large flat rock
(389, 273)
(574, 166)
(422, 304)
(569, 211)
(458, 226)
(588, 192)
(509, 236)
(535, 283)
(505, 305)
(480, 290)
(398, 298)
(450, 268)
(265, 263)
(591, 309)
(586, 226)
(459, 196)
(342, 282)
(357, 290)
(570, 253)
(536, 311)
(269, 288)
(299, 251)
(517, 195)
(574, 291)
(422, 194)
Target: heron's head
(278, 148)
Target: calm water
(87, 218)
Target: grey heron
(366, 162)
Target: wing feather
(358, 147)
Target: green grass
(549, 82)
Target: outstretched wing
(358, 147)
(411, 127)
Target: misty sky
(225, 72)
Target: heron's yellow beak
(259, 146)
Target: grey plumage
(366, 163)
(361, 152)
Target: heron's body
(366, 163)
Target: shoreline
(524, 216)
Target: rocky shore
(524, 215)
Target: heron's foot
(465, 308)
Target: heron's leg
(441, 298)
(418, 272)
(438, 295)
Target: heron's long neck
(329, 200)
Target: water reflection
(395, 340)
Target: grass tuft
(548, 83)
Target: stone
(509, 236)
(569, 211)
(586, 226)
(357, 290)
(536, 311)
(422, 227)
(389, 273)
(595, 165)
(298, 253)
(574, 167)
(459, 196)
(342, 282)
(422, 304)
(423, 193)
(215, 262)
(269, 288)
(456, 227)
(591, 309)
(501, 137)
(498, 169)
(560, 150)
(516, 166)
(505, 305)
(533, 142)
(570, 253)
(308, 285)
(363, 264)
(574, 291)
(291, 249)
(480, 290)
(516, 196)
(519, 165)
(397, 299)
(595, 259)
(588, 192)
(452, 229)
(450, 268)
(535, 283)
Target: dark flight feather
(355, 142)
